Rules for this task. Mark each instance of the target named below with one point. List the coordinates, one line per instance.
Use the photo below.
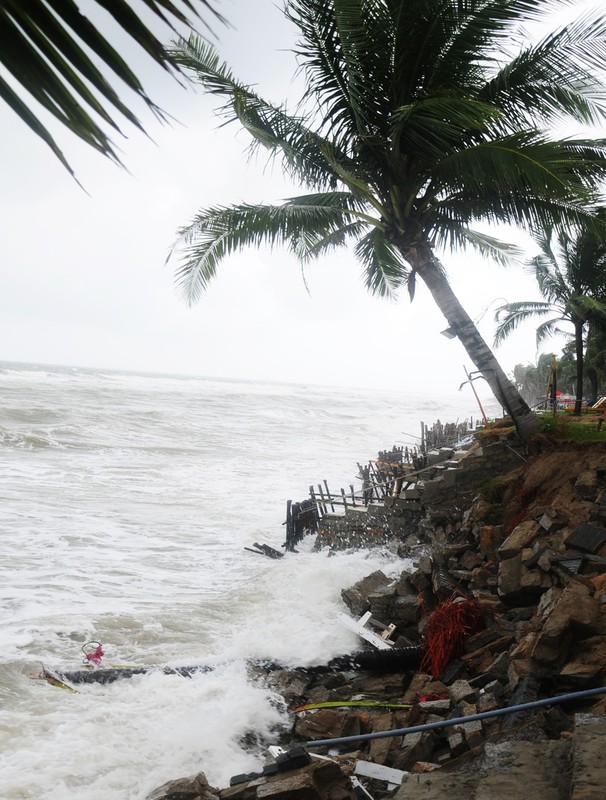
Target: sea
(129, 506)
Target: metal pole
(473, 388)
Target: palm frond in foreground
(44, 50)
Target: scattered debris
(264, 550)
(360, 626)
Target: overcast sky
(84, 280)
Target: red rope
(448, 627)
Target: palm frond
(40, 49)
(511, 315)
(384, 269)
(486, 181)
(461, 237)
(298, 224)
(557, 77)
(433, 127)
(306, 156)
(548, 329)
(344, 51)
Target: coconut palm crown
(571, 275)
(420, 119)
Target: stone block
(490, 539)
(405, 609)
(380, 748)
(588, 484)
(462, 691)
(439, 707)
(289, 786)
(517, 585)
(588, 660)
(327, 723)
(415, 747)
(552, 521)
(520, 669)
(456, 743)
(196, 788)
(449, 477)
(576, 606)
(473, 733)
(244, 791)
(522, 536)
(433, 457)
(431, 490)
(487, 702)
(356, 597)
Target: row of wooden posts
(393, 471)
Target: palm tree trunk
(430, 270)
(578, 345)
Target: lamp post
(451, 331)
(470, 380)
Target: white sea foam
(127, 502)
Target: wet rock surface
(506, 605)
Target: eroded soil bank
(506, 605)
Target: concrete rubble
(524, 542)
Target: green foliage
(532, 379)
(566, 428)
(424, 119)
(571, 275)
(41, 47)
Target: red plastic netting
(450, 624)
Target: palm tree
(410, 131)
(40, 49)
(571, 276)
(532, 379)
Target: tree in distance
(571, 275)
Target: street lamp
(451, 331)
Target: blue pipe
(445, 723)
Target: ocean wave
(28, 440)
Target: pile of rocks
(537, 571)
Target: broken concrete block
(473, 733)
(461, 690)
(415, 747)
(378, 772)
(356, 596)
(196, 788)
(588, 484)
(456, 743)
(552, 521)
(521, 536)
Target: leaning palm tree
(571, 275)
(414, 126)
(41, 49)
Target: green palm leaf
(40, 47)
(300, 224)
(384, 269)
(556, 77)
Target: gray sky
(84, 281)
